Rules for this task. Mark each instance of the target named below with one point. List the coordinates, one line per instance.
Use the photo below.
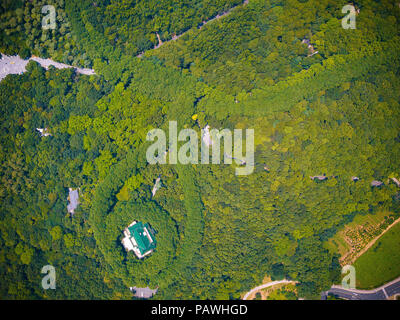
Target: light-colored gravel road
(266, 285)
(16, 65)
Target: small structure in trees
(157, 185)
(320, 178)
(43, 132)
(309, 46)
(139, 238)
(376, 183)
(143, 293)
(73, 199)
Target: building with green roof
(139, 238)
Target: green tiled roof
(143, 242)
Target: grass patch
(381, 263)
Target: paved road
(382, 293)
(350, 295)
(393, 289)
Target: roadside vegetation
(277, 292)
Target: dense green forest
(334, 113)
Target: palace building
(139, 238)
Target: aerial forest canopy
(333, 113)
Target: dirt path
(370, 244)
(46, 63)
(16, 65)
(266, 285)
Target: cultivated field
(381, 263)
(355, 236)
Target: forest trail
(371, 243)
(176, 37)
(266, 285)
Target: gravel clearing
(11, 65)
(16, 65)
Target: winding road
(266, 285)
(176, 37)
(16, 65)
(381, 293)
